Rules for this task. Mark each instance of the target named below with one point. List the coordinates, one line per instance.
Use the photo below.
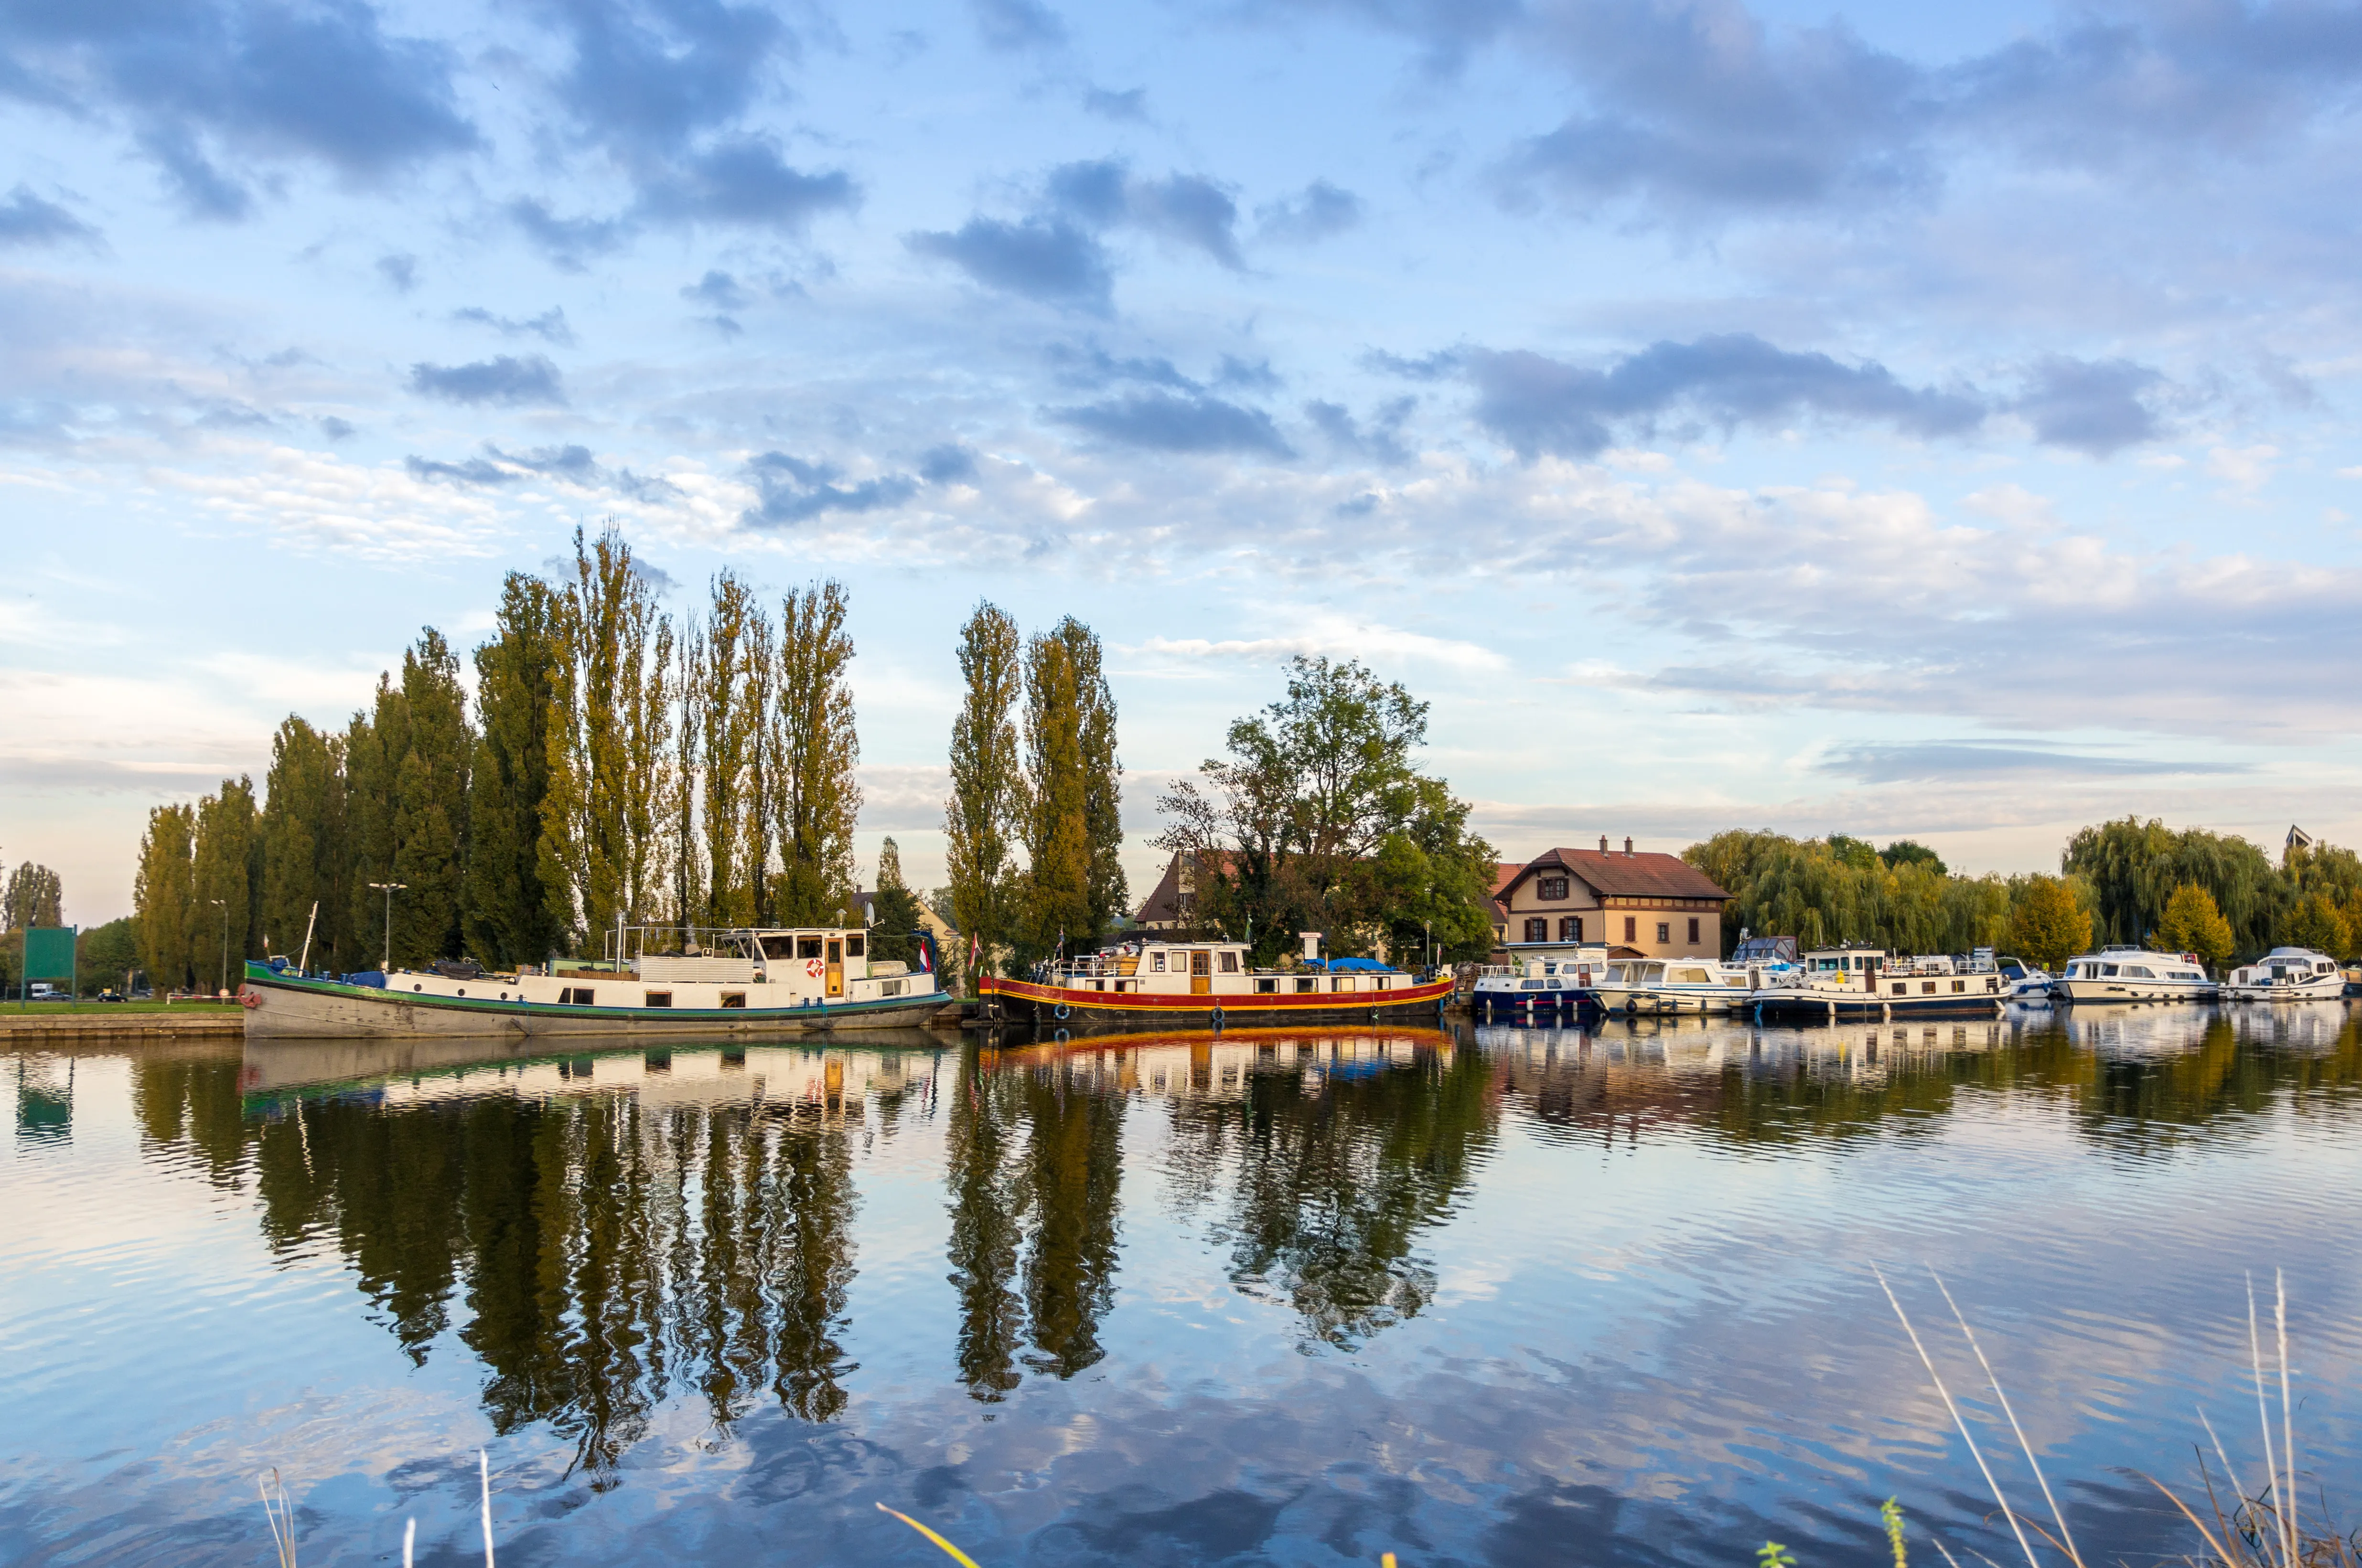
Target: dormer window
(1550, 888)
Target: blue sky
(1871, 420)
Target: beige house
(1641, 906)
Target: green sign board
(50, 953)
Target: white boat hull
(2106, 990)
(290, 1009)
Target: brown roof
(1504, 874)
(1646, 874)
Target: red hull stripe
(1165, 1002)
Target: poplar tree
(430, 806)
(506, 915)
(302, 834)
(982, 816)
(1106, 896)
(163, 895)
(604, 817)
(816, 796)
(222, 876)
(761, 785)
(688, 870)
(733, 736)
(1054, 801)
(35, 896)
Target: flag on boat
(927, 957)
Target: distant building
(1504, 874)
(946, 940)
(1171, 905)
(1641, 906)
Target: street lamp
(389, 889)
(225, 963)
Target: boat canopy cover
(1357, 965)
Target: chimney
(1311, 940)
(1628, 844)
(1603, 843)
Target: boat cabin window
(734, 999)
(1267, 982)
(1229, 964)
(807, 946)
(660, 998)
(1690, 976)
(2107, 968)
(1156, 962)
(778, 947)
(853, 947)
(1305, 982)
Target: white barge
(722, 983)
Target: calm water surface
(1502, 1295)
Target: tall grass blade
(484, 1469)
(1957, 1420)
(409, 1542)
(2288, 1419)
(2058, 1515)
(281, 1515)
(962, 1558)
(2264, 1416)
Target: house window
(1665, 930)
(1631, 928)
(1537, 930)
(660, 998)
(1229, 964)
(1550, 887)
(1694, 931)
(1570, 929)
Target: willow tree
(816, 794)
(506, 916)
(983, 816)
(224, 868)
(603, 818)
(163, 895)
(302, 830)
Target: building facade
(1641, 904)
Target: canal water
(1488, 1295)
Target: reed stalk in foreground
(2264, 1530)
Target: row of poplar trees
(615, 766)
(1032, 826)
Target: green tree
(1288, 828)
(2316, 922)
(894, 910)
(732, 725)
(1054, 803)
(305, 859)
(983, 817)
(506, 918)
(2134, 867)
(1909, 852)
(2045, 927)
(430, 804)
(2191, 923)
(603, 827)
(226, 867)
(106, 956)
(817, 791)
(35, 896)
(163, 896)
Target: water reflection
(606, 1242)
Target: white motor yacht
(1670, 985)
(2133, 974)
(2287, 974)
(1543, 979)
(1858, 982)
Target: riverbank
(124, 1021)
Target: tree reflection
(1034, 1173)
(1333, 1179)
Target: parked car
(110, 996)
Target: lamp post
(389, 889)
(224, 961)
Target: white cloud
(318, 500)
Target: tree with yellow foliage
(2046, 926)
(2194, 924)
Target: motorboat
(2287, 974)
(1549, 981)
(2125, 973)
(1634, 986)
(1864, 982)
(2028, 985)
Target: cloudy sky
(1911, 421)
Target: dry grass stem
(281, 1515)
(2064, 1540)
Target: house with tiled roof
(1641, 904)
(1171, 905)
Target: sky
(1870, 420)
